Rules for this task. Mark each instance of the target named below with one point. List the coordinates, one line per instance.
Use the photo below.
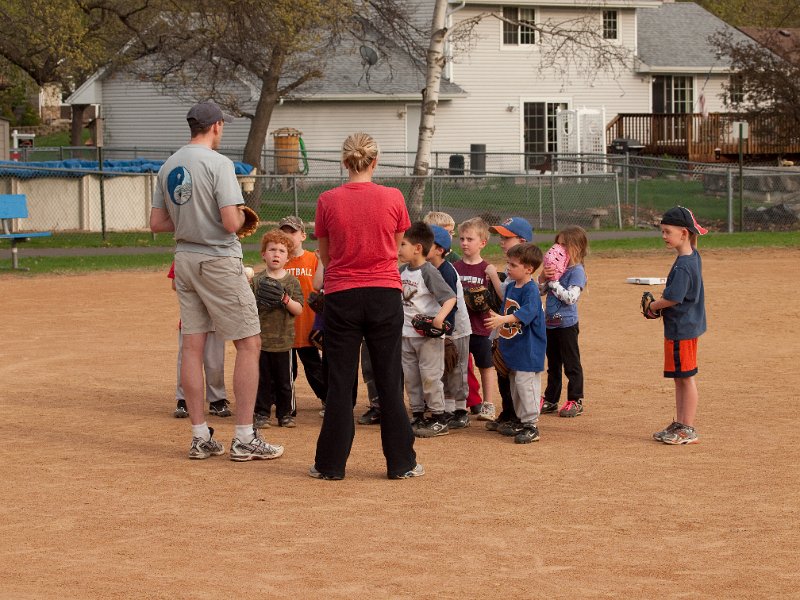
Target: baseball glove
(250, 224)
(269, 294)
(450, 356)
(556, 258)
(423, 325)
(316, 338)
(497, 358)
(478, 299)
(649, 313)
(316, 300)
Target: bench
(597, 214)
(14, 206)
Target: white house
(497, 93)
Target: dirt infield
(99, 500)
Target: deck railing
(700, 137)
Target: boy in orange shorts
(682, 305)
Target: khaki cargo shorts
(214, 295)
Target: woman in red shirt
(359, 226)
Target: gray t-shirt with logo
(192, 185)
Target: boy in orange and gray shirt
(303, 264)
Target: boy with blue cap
(454, 379)
(513, 231)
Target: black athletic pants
(275, 382)
(376, 315)
(563, 353)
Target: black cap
(682, 217)
(207, 113)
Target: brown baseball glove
(316, 337)
(478, 299)
(450, 356)
(649, 313)
(250, 224)
(497, 358)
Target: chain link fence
(93, 207)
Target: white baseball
(248, 272)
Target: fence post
(553, 197)
(636, 197)
(539, 183)
(619, 208)
(625, 171)
(294, 192)
(102, 192)
(730, 200)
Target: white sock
(201, 431)
(244, 433)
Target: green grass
(161, 261)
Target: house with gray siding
(498, 92)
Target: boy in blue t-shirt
(522, 337)
(682, 306)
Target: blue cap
(515, 226)
(441, 237)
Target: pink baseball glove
(557, 258)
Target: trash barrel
(477, 159)
(456, 165)
(287, 150)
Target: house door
(539, 131)
(673, 94)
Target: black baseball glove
(423, 325)
(316, 300)
(270, 294)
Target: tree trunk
(76, 127)
(257, 136)
(435, 62)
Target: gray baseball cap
(208, 113)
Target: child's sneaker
(529, 433)
(287, 421)
(494, 425)
(683, 434)
(371, 417)
(260, 421)
(510, 428)
(548, 407)
(257, 449)
(475, 409)
(487, 412)
(431, 428)
(459, 420)
(181, 412)
(659, 435)
(201, 448)
(220, 408)
(571, 408)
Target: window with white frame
(518, 26)
(610, 25)
(735, 89)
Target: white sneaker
(487, 412)
(201, 448)
(257, 449)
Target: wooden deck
(697, 137)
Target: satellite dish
(369, 56)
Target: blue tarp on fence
(30, 170)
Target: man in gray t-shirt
(198, 197)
